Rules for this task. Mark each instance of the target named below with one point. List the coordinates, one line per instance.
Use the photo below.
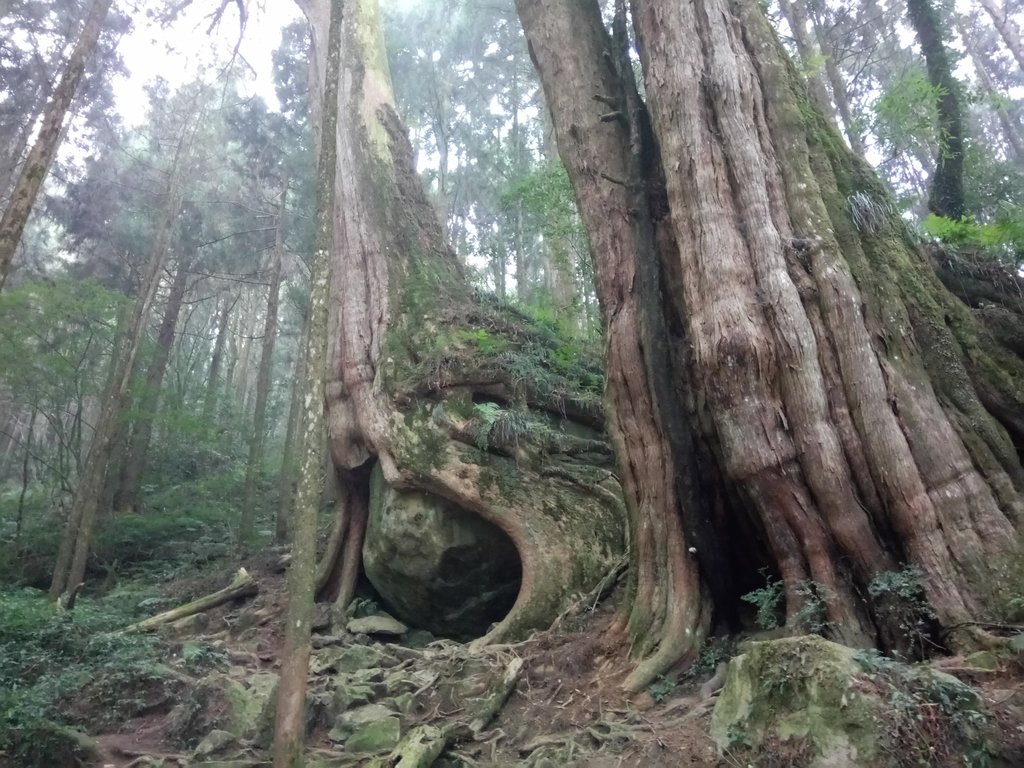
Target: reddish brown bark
(840, 392)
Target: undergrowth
(60, 669)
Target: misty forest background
(204, 453)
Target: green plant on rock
(934, 718)
(486, 414)
(487, 344)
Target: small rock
(355, 720)
(215, 741)
(380, 624)
(375, 737)
(644, 702)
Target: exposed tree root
(243, 585)
(424, 744)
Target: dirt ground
(567, 708)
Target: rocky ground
(552, 701)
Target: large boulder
(810, 703)
(437, 566)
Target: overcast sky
(184, 50)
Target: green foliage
(899, 600)
(812, 616)
(487, 414)
(198, 655)
(55, 666)
(906, 114)
(1004, 236)
(186, 526)
(1008, 589)
(488, 345)
(662, 688)
(933, 715)
(768, 601)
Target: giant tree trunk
(602, 145)
(850, 411)
(407, 369)
(37, 165)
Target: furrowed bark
(833, 367)
(404, 372)
(665, 618)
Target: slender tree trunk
(290, 724)
(286, 479)
(1011, 128)
(837, 83)
(795, 14)
(74, 547)
(20, 519)
(259, 419)
(126, 498)
(37, 165)
(946, 197)
(213, 383)
(1007, 29)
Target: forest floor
(566, 707)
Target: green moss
(824, 700)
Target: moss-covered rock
(221, 703)
(810, 702)
(438, 567)
(377, 736)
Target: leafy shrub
(935, 718)
(899, 601)
(768, 601)
(65, 668)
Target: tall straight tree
(137, 448)
(259, 419)
(76, 540)
(849, 414)
(41, 156)
(1003, 22)
(290, 722)
(946, 197)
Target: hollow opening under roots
(437, 566)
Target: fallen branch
(244, 585)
